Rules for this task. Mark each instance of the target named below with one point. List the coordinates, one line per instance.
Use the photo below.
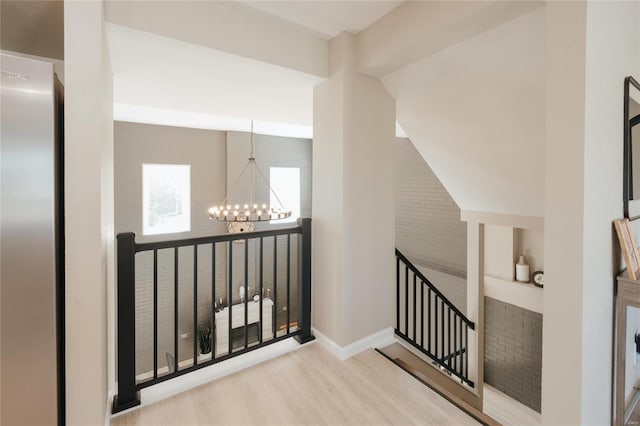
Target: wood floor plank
(507, 410)
(306, 387)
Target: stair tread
(432, 377)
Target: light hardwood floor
(306, 387)
(507, 410)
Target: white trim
(381, 338)
(526, 296)
(107, 414)
(216, 371)
(503, 219)
(194, 120)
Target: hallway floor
(307, 386)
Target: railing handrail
(433, 288)
(158, 245)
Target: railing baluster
(397, 293)
(435, 325)
(442, 328)
(466, 352)
(449, 337)
(463, 349)
(455, 342)
(246, 293)
(422, 313)
(275, 284)
(176, 280)
(230, 295)
(288, 281)
(415, 297)
(406, 300)
(155, 314)
(261, 289)
(429, 320)
(195, 304)
(213, 301)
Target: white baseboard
(381, 338)
(207, 374)
(107, 414)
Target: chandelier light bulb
(255, 206)
(264, 206)
(228, 207)
(226, 212)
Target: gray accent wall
(271, 151)
(513, 351)
(207, 152)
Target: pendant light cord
(251, 156)
(251, 161)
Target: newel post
(127, 396)
(304, 282)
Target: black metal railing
(129, 384)
(427, 320)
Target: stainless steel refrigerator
(31, 243)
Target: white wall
(499, 252)
(327, 262)
(503, 246)
(353, 166)
(591, 47)
(88, 210)
(204, 150)
(475, 111)
(564, 187)
(613, 31)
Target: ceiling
(202, 85)
(327, 19)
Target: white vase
(522, 270)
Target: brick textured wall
(428, 226)
(513, 351)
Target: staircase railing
(427, 320)
(226, 328)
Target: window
(285, 181)
(166, 198)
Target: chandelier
(241, 217)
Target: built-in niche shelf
(506, 240)
(524, 295)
